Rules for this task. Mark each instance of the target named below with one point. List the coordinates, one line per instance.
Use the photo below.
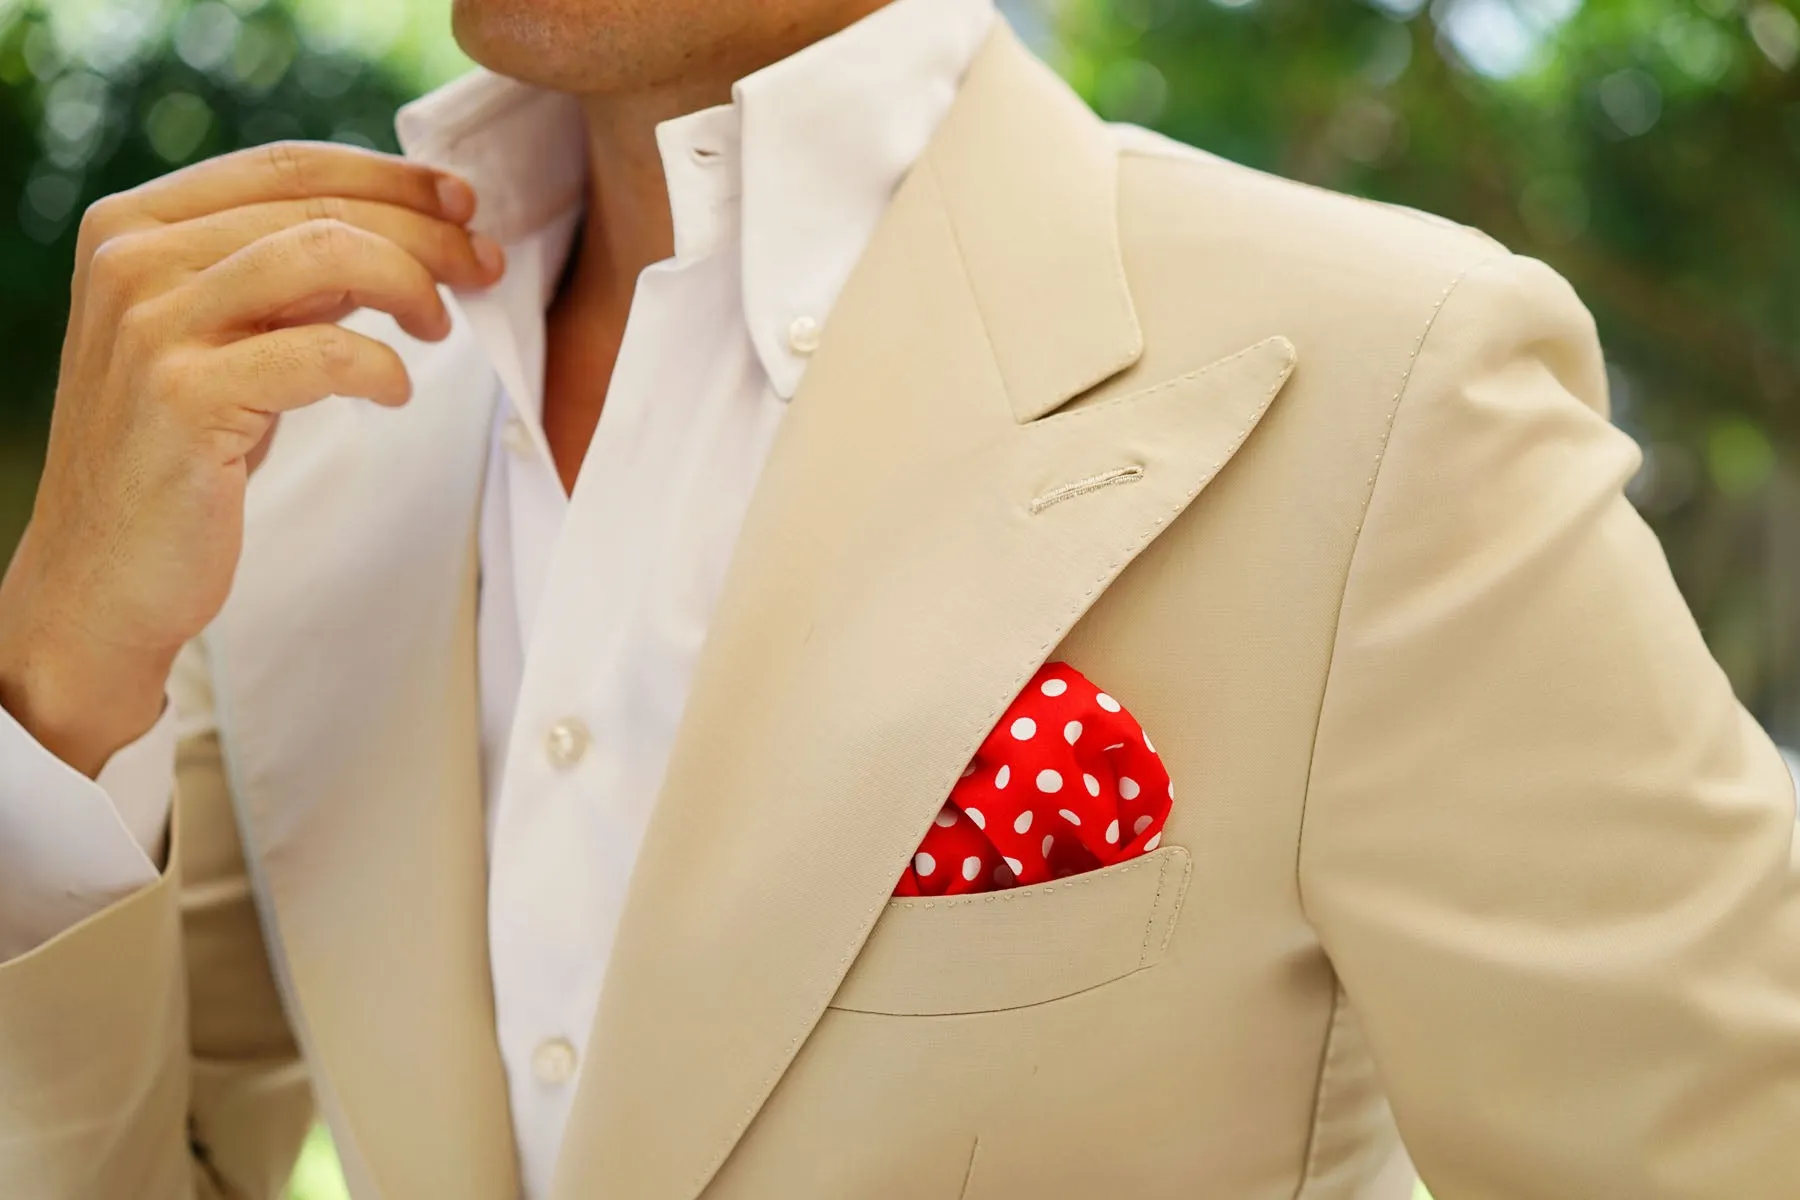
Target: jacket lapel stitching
(1060, 420)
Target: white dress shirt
(594, 605)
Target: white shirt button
(515, 436)
(566, 742)
(803, 335)
(553, 1062)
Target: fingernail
(457, 197)
(488, 254)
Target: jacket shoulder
(1338, 268)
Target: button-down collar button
(515, 436)
(553, 1062)
(803, 335)
(566, 742)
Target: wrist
(81, 697)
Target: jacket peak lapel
(1029, 179)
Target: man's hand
(204, 306)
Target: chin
(565, 45)
(616, 46)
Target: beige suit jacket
(1470, 836)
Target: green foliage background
(1648, 149)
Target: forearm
(93, 1052)
(151, 1025)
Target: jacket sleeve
(1551, 857)
(144, 1052)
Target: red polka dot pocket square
(1066, 782)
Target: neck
(628, 224)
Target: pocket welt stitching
(888, 981)
(1155, 907)
(1025, 893)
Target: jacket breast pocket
(1010, 949)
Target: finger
(451, 253)
(292, 368)
(300, 171)
(322, 264)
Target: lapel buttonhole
(1092, 483)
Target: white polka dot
(968, 770)
(946, 818)
(1048, 842)
(1049, 781)
(1023, 824)
(1152, 843)
(923, 863)
(1107, 702)
(1015, 866)
(1112, 832)
(1003, 776)
(1171, 789)
(1024, 728)
(1142, 823)
(1128, 787)
(1002, 876)
(1093, 785)
(1068, 816)
(974, 814)
(971, 867)
(1072, 732)
(1053, 687)
(1147, 745)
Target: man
(552, 743)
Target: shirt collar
(810, 149)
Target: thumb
(260, 451)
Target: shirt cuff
(71, 846)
